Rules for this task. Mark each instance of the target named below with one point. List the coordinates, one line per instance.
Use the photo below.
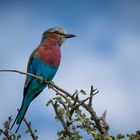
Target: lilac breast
(50, 55)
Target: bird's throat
(49, 54)
(52, 39)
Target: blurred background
(106, 54)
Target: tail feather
(20, 115)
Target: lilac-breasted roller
(44, 62)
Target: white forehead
(60, 30)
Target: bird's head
(56, 34)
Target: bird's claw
(41, 79)
(51, 84)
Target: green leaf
(67, 115)
(13, 136)
(87, 129)
(35, 131)
(138, 132)
(93, 132)
(78, 111)
(107, 137)
(120, 136)
(69, 101)
(48, 103)
(83, 92)
(83, 116)
(61, 111)
(58, 98)
(77, 119)
(18, 137)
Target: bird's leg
(41, 79)
(51, 84)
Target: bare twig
(10, 136)
(24, 73)
(74, 105)
(103, 119)
(6, 132)
(91, 93)
(28, 124)
(83, 101)
(6, 135)
(72, 109)
(76, 92)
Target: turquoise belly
(40, 69)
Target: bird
(43, 62)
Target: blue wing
(39, 68)
(30, 69)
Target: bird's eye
(56, 32)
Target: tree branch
(60, 118)
(65, 93)
(6, 131)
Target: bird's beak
(69, 35)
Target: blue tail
(20, 115)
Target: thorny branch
(100, 122)
(73, 117)
(11, 136)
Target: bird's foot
(41, 79)
(51, 84)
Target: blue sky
(105, 54)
